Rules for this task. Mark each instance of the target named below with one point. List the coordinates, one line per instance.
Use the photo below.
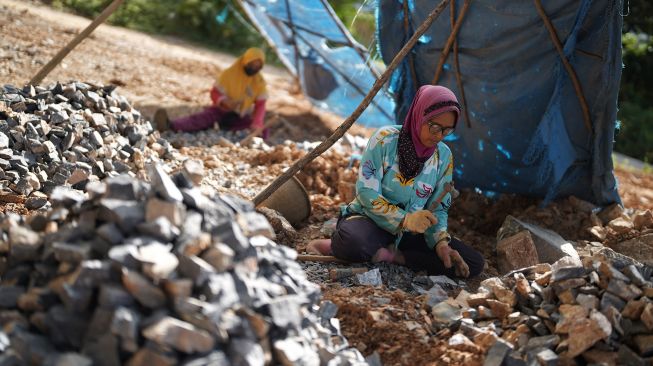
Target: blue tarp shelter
(523, 130)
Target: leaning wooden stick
(319, 258)
(340, 131)
(45, 70)
(570, 69)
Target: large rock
(517, 251)
(550, 246)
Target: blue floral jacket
(385, 196)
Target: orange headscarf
(243, 90)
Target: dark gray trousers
(357, 238)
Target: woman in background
(238, 97)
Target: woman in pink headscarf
(399, 214)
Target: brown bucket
(291, 201)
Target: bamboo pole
(447, 47)
(47, 68)
(340, 131)
(570, 69)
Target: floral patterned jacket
(385, 196)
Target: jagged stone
(516, 251)
(163, 185)
(145, 292)
(621, 225)
(586, 332)
(193, 170)
(497, 353)
(647, 316)
(179, 335)
(549, 245)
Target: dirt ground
(163, 72)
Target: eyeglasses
(436, 129)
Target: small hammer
(448, 188)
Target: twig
(340, 131)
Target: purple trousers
(357, 238)
(210, 115)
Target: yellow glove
(419, 221)
(443, 236)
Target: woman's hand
(226, 104)
(419, 221)
(451, 256)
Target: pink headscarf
(429, 101)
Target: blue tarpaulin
(314, 46)
(526, 132)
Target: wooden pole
(319, 258)
(291, 26)
(340, 131)
(459, 78)
(411, 60)
(447, 47)
(45, 70)
(570, 69)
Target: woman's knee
(357, 238)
